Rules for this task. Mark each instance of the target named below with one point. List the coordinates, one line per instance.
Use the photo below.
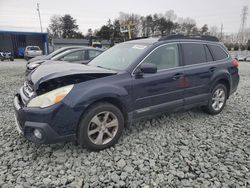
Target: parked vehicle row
(81, 55)
(93, 103)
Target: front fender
(83, 98)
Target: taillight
(235, 63)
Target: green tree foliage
(64, 27)
(69, 26)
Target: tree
(69, 26)
(187, 26)
(55, 26)
(117, 30)
(170, 15)
(204, 29)
(214, 31)
(90, 32)
(104, 33)
(131, 21)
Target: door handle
(212, 69)
(178, 76)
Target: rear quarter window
(193, 53)
(218, 52)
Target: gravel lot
(190, 149)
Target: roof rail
(138, 38)
(196, 37)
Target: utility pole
(241, 34)
(221, 32)
(38, 10)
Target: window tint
(164, 57)
(208, 54)
(72, 57)
(218, 52)
(93, 54)
(193, 53)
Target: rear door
(161, 91)
(198, 69)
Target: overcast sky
(22, 14)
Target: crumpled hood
(55, 70)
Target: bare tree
(170, 15)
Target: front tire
(217, 100)
(100, 127)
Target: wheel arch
(225, 81)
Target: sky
(21, 15)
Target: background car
(53, 54)
(244, 58)
(82, 56)
(32, 51)
(6, 56)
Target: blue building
(16, 42)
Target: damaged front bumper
(30, 121)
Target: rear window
(193, 53)
(33, 48)
(217, 52)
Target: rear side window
(193, 53)
(217, 52)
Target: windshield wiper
(103, 67)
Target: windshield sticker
(139, 47)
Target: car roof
(143, 41)
(176, 38)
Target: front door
(161, 91)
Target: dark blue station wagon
(137, 79)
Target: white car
(32, 51)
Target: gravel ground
(190, 149)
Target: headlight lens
(50, 98)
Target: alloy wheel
(103, 128)
(218, 99)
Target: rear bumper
(27, 120)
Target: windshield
(119, 57)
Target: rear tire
(100, 127)
(217, 100)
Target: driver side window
(75, 56)
(164, 57)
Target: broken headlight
(50, 98)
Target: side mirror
(148, 68)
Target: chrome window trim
(204, 43)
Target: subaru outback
(92, 104)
